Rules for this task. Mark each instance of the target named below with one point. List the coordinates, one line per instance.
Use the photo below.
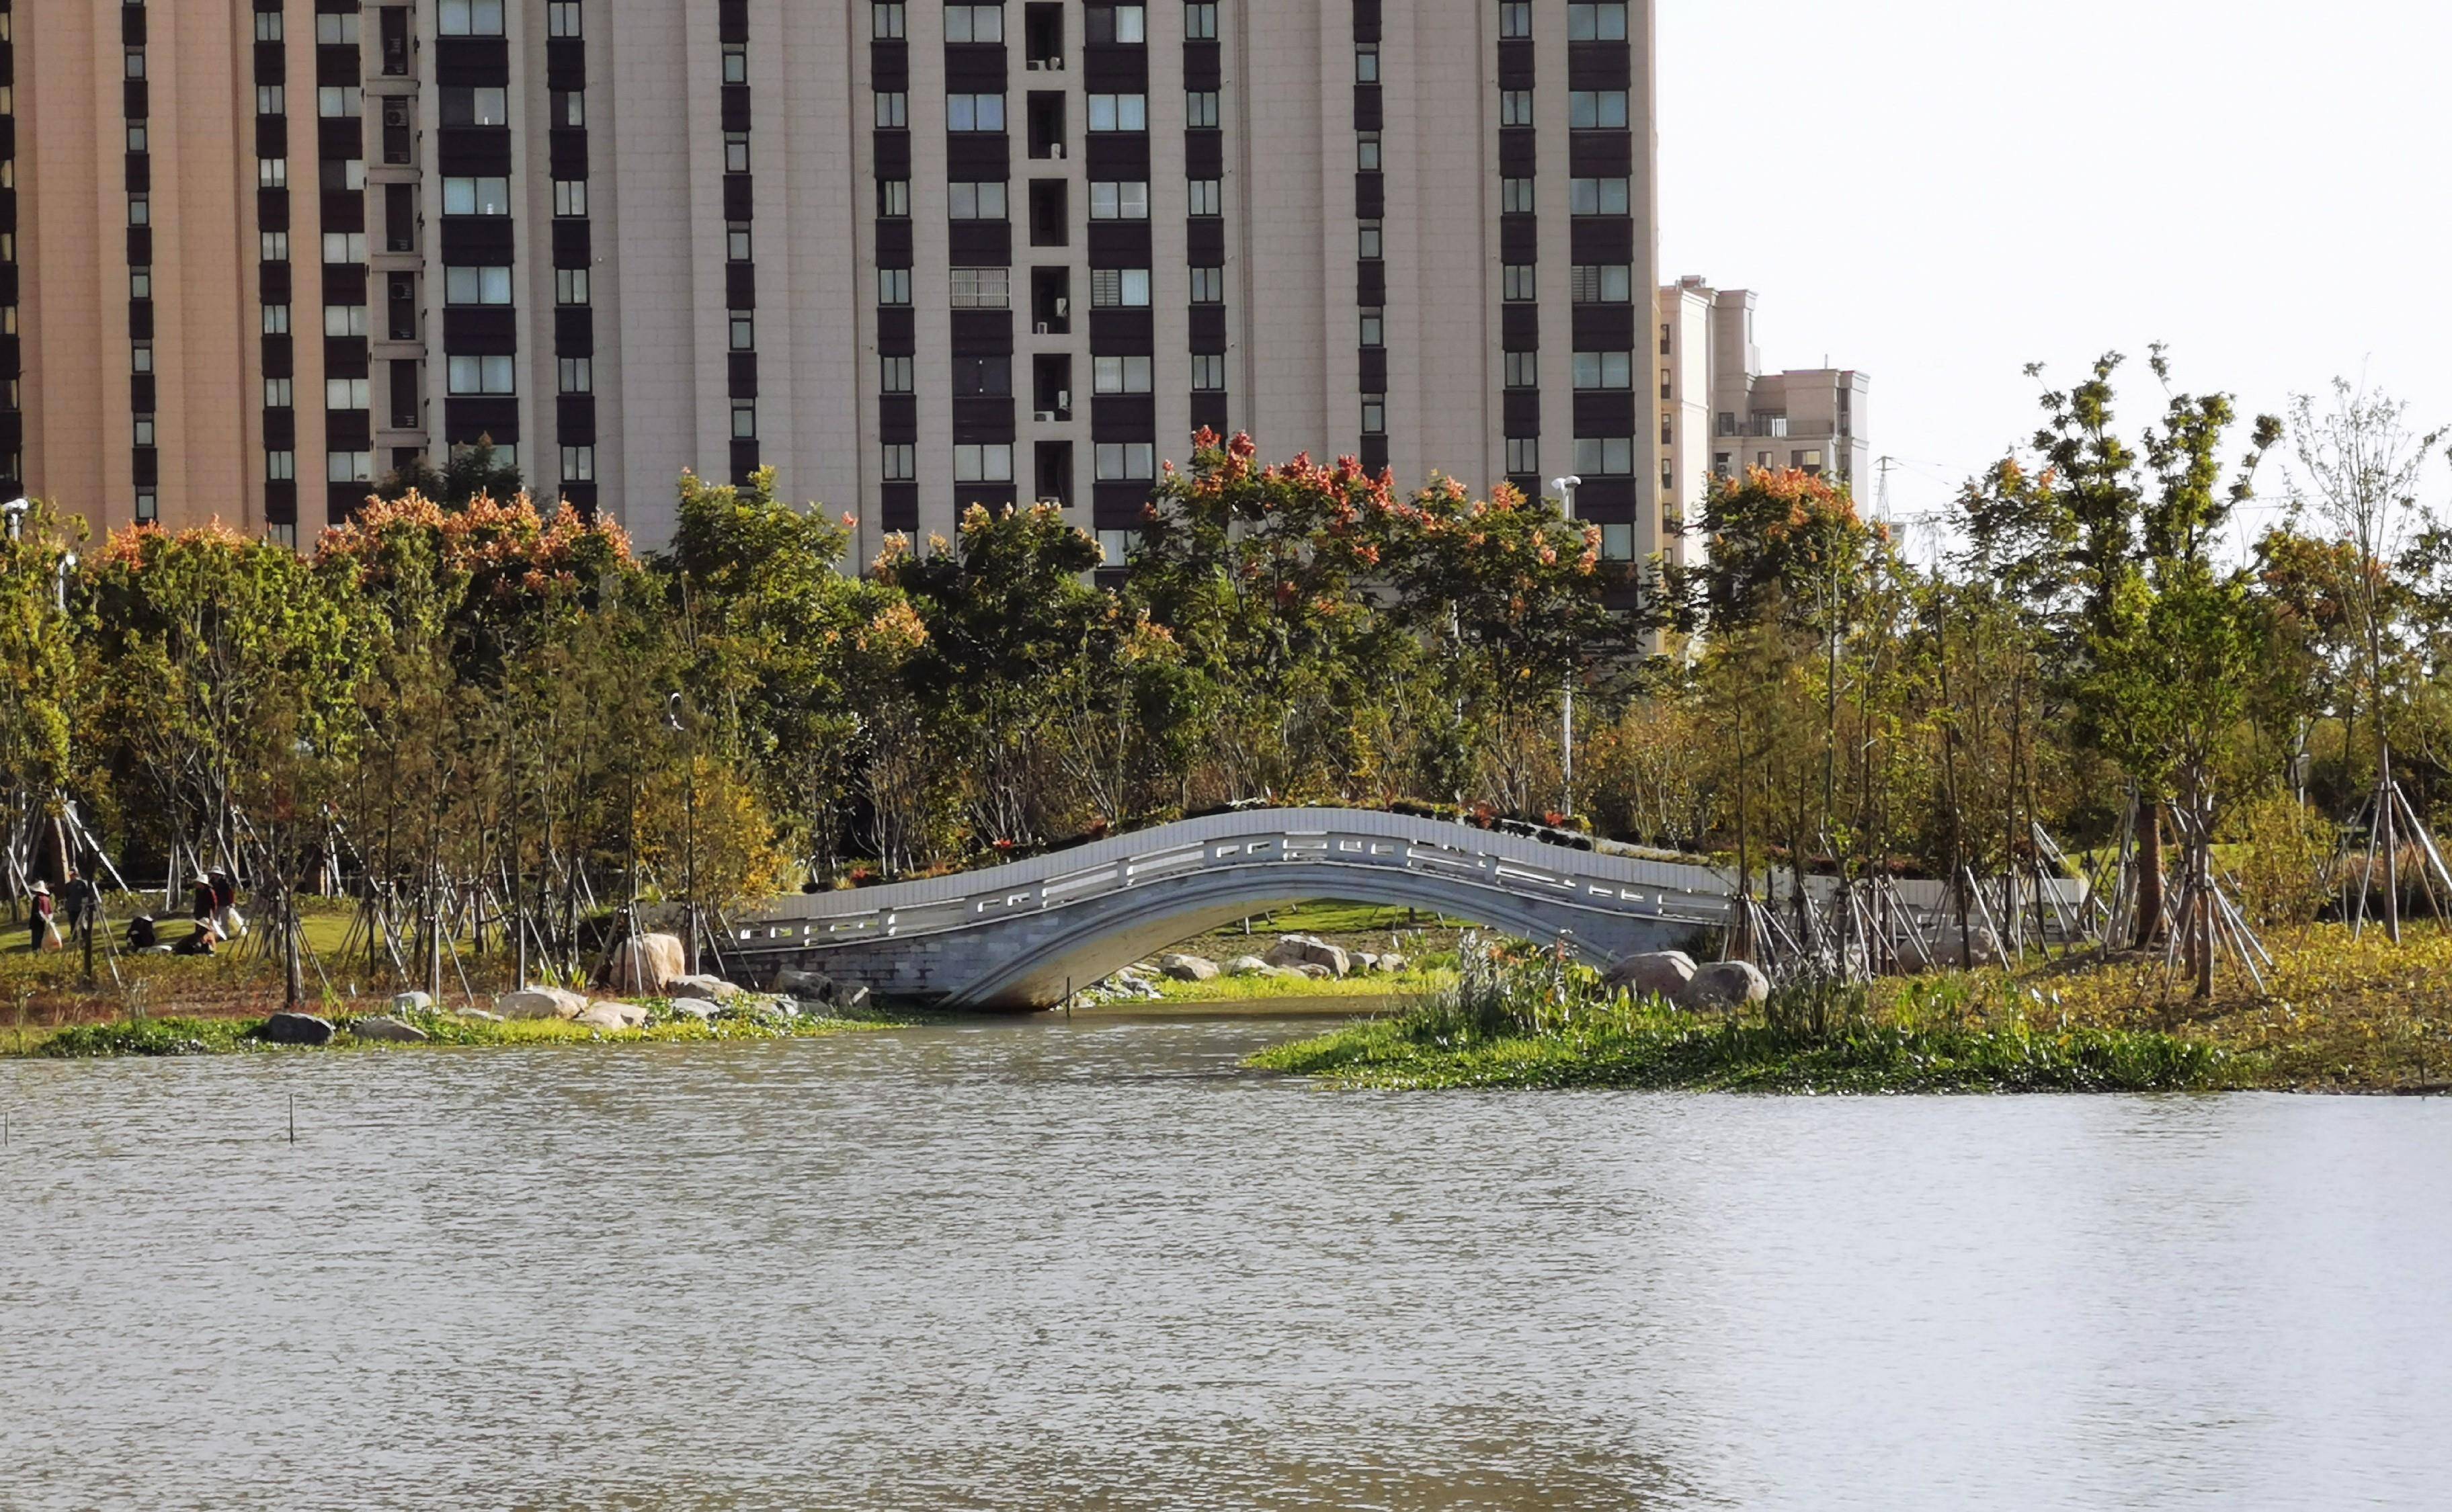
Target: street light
(1567, 487)
(15, 509)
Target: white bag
(231, 923)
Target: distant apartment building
(257, 253)
(1722, 413)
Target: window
(901, 465)
(1516, 197)
(272, 173)
(893, 285)
(579, 465)
(269, 97)
(1375, 414)
(276, 320)
(1601, 283)
(1127, 24)
(1515, 108)
(344, 174)
(1209, 286)
(991, 463)
(1366, 154)
(276, 393)
(346, 393)
(349, 468)
(1209, 372)
(487, 105)
(977, 202)
(570, 286)
(1523, 455)
(1664, 351)
(570, 197)
(1604, 456)
(267, 26)
(1119, 202)
(140, 209)
(1366, 63)
(975, 23)
(477, 286)
(975, 113)
(1524, 369)
(1119, 288)
(894, 198)
(1200, 110)
(144, 430)
(1515, 20)
(1596, 110)
(1200, 23)
(273, 246)
(1126, 462)
(135, 62)
(894, 375)
(1618, 542)
(736, 241)
(736, 152)
(736, 63)
(1604, 369)
(1120, 113)
(339, 102)
(574, 375)
(148, 504)
(562, 19)
(1119, 375)
(744, 420)
(139, 139)
(982, 289)
(470, 18)
(1516, 283)
(1114, 547)
(1374, 326)
(568, 106)
(1596, 196)
(1596, 23)
(893, 111)
(339, 29)
(476, 196)
(350, 320)
(280, 467)
(1371, 243)
(345, 247)
(742, 327)
(886, 22)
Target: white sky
(1939, 192)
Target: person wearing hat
(201, 899)
(47, 933)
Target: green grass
(1529, 1022)
(230, 1036)
(1412, 982)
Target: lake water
(1092, 1265)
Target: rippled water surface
(1091, 1265)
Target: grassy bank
(2338, 1016)
(237, 1036)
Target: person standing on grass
(46, 932)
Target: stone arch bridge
(1015, 936)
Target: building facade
(1721, 413)
(912, 255)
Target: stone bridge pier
(1018, 936)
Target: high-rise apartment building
(1721, 414)
(914, 255)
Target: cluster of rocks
(1292, 957)
(1673, 976)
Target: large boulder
(1188, 967)
(411, 1003)
(1727, 984)
(713, 988)
(295, 1029)
(541, 1002)
(1660, 974)
(1248, 965)
(1392, 962)
(391, 1029)
(612, 1016)
(697, 1008)
(647, 965)
(1299, 951)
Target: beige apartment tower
(913, 256)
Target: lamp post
(15, 510)
(1567, 487)
(689, 825)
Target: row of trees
(478, 694)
